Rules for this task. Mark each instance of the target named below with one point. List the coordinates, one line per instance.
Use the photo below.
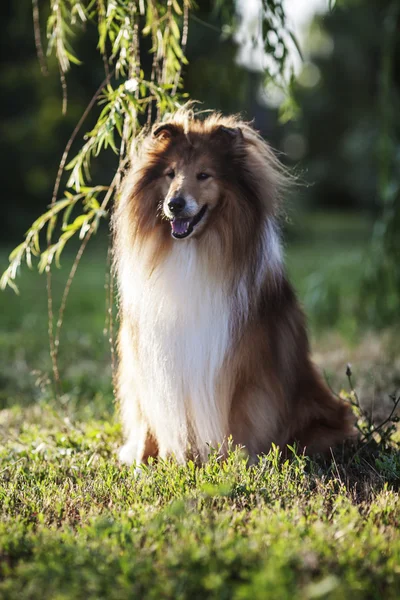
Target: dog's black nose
(176, 205)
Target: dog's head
(194, 176)
(196, 166)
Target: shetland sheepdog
(212, 341)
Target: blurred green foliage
(342, 118)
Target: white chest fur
(184, 335)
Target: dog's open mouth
(182, 227)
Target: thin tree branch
(38, 38)
(54, 339)
(185, 31)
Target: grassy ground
(74, 524)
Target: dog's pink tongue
(180, 226)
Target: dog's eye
(203, 176)
(171, 174)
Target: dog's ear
(164, 131)
(231, 135)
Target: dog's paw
(138, 472)
(127, 454)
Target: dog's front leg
(140, 444)
(139, 447)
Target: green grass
(75, 524)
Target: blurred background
(343, 143)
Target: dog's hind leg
(323, 420)
(255, 419)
